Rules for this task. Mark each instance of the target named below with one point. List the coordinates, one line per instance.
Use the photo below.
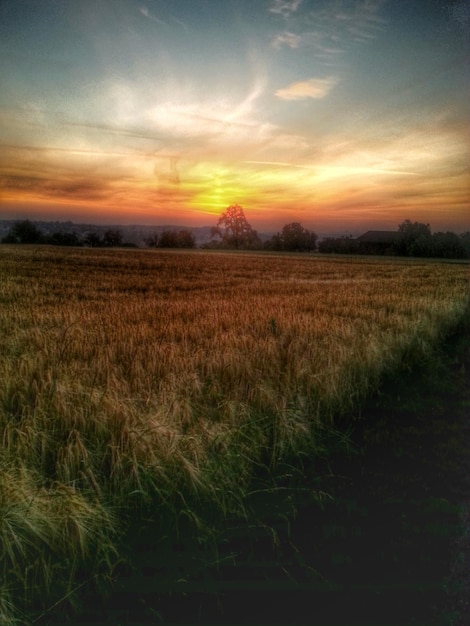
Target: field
(132, 379)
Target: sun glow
(215, 187)
(172, 111)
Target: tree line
(25, 232)
(413, 239)
(171, 239)
(233, 231)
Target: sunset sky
(345, 115)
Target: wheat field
(137, 376)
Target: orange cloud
(316, 88)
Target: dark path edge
(457, 608)
(437, 402)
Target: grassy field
(136, 378)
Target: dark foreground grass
(386, 544)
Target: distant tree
(171, 239)
(168, 239)
(338, 245)
(64, 239)
(176, 239)
(294, 237)
(24, 231)
(152, 240)
(93, 240)
(413, 230)
(186, 239)
(234, 229)
(212, 245)
(112, 238)
(274, 243)
(415, 239)
(448, 245)
(465, 239)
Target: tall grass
(128, 376)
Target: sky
(343, 115)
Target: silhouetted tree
(152, 240)
(112, 238)
(234, 229)
(465, 239)
(294, 237)
(338, 245)
(168, 239)
(415, 239)
(171, 239)
(448, 245)
(64, 239)
(274, 243)
(24, 231)
(93, 240)
(185, 239)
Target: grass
(138, 378)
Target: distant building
(377, 241)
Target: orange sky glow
(343, 116)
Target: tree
(294, 237)
(234, 229)
(60, 238)
(171, 239)
(152, 240)
(275, 243)
(413, 230)
(415, 239)
(338, 245)
(112, 238)
(185, 239)
(465, 240)
(24, 232)
(92, 240)
(448, 245)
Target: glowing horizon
(345, 114)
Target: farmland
(132, 379)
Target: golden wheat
(149, 374)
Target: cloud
(285, 7)
(286, 39)
(316, 88)
(145, 12)
(330, 28)
(81, 189)
(196, 124)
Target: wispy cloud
(329, 28)
(146, 13)
(359, 21)
(286, 39)
(315, 88)
(285, 7)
